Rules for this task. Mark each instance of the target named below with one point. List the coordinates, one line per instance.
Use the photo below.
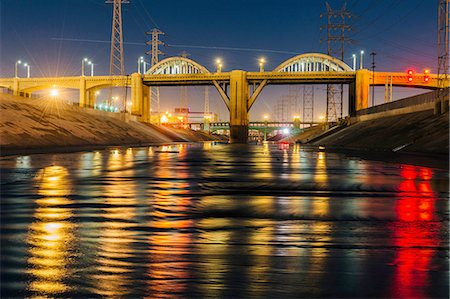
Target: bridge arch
(176, 66)
(313, 62)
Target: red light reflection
(415, 233)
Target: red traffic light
(426, 75)
(410, 75)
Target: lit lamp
(219, 65)
(321, 118)
(16, 70)
(354, 62)
(92, 67)
(82, 65)
(54, 92)
(28, 69)
(262, 61)
(361, 59)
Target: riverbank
(50, 125)
(417, 133)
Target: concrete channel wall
(416, 103)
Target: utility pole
(373, 77)
(206, 115)
(441, 101)
(336, 40)
(116, 62)
(154, 43)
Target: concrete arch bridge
(239, 89)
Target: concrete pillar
(352, 99)
(362, 89)
(16, 90)
(83, 102)
(437, 107)
(91, 98)
(136, 94)
(444, 104)
(238, 107)
(146, 104)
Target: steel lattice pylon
(116, 62)
(155, 42)
(441, 102)
(308, 104)
(336, 28)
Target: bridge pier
(137, 94)
(83, 92)
(238, 107)
(16, 90)
(145, 104)
(362, 83)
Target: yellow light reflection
(116, 238)
(320, 175)
(172, 242)
(51, 235)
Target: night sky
(403, 33)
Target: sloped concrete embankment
(417, 132)
(30, 125)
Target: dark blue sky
(401, 32)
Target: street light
(92, 67)
(262, 61)
(361, 59)
(266, 117)
(28, 69)
(54, 92)
(144, 63)
(82, 65)
(354, 62)
(15, 70)
(219, 65)
(321, 118)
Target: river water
(217, 220)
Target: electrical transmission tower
(116, 63)
(154, 43)
(308, 104)
(441, 102)
(336, 27)
(184, 97)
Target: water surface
(215, 220)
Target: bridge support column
(362, 89)
(238, 107)
(83, 92)
(352, 99)
(145, 103)
(16, 90)
(136, 94)
(91, 98)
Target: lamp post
(15, 69)
(144, 64)
(28, 69)
(261, 64)
(139, 65)
(354, 62)
(83, 61)
(361, 59)
(219, 65)
(266, 117)
(92, 67)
